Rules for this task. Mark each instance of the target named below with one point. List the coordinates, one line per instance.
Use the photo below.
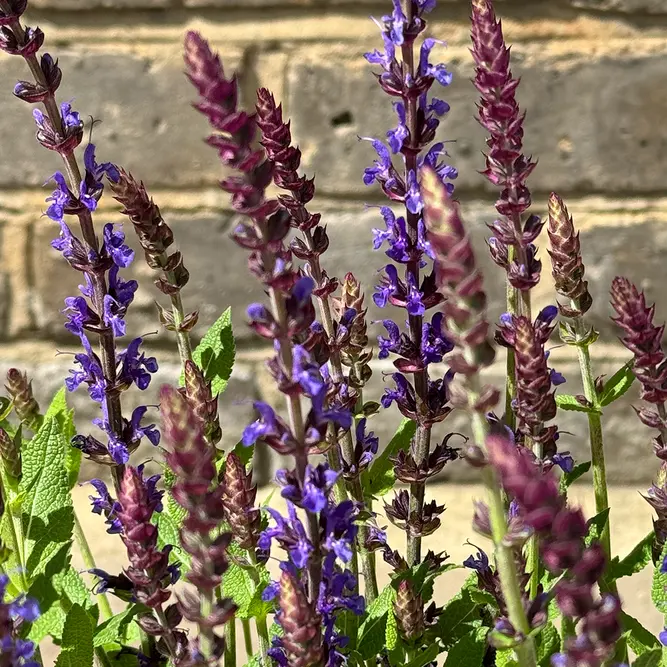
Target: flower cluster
(568, 266)
(561, 532)
(238, 501)
(506, 165)
(459, 280)
(644, 339)
(409, 78)
(404, 236)
(535, 402)
(192, 459)
(26, 407)
(343, 320)
(14, 651)
(149, 572)
(336, 533)
(156, 237)
(104, 295)
(317, 584)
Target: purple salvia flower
(15, 651)
(418, 119)
(105, 296)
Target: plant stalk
(230, 644)
(353, 487)
(505, 562)
(421, 444)
(89, 562)
(247, 638)
(106, 339)
(260, 622)
(178, 312)
(297, 426)
(597, 445)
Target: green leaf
(58, 410)
(659, 588)
(113, 628)
(373, 630)
(635, 561)
(391, 631)
(482, 597)
(175, 511)
(48, 518)
(460, 616)
(569, 402)
(570, 478)
(469, 650)
(639, 638)
(55, 593)
(380, 477)
(77, 645)
(596, 525)
(6, 407)
(425, 657)
(505, 658)
(216, 352)
(617, 384)
(168, 534)
(652, 658)
(548, 643)
(238, 585)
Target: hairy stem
(206, 634)
(230, 644)
(182, 337)
(260, 621)
(247, 638)
(597, 445)
(89, 562)
(422, 441)
(505, 562)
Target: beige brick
(625, 6)
(144, 102)
(100, 4)
(15, 279)
(577, 143)
(270, 71)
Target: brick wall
(594, 84)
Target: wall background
(594, 85)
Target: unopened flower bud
(409, 611)
(25, 405)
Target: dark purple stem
(422, 441)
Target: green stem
(230, 644)
(597, 445)
(247, 638)
(595, 431)
(260, 621)
(366, 557)
(505, 562)
(15, 529)
(89, 562)
(178, 312)
(206, 635)
(102, 657)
